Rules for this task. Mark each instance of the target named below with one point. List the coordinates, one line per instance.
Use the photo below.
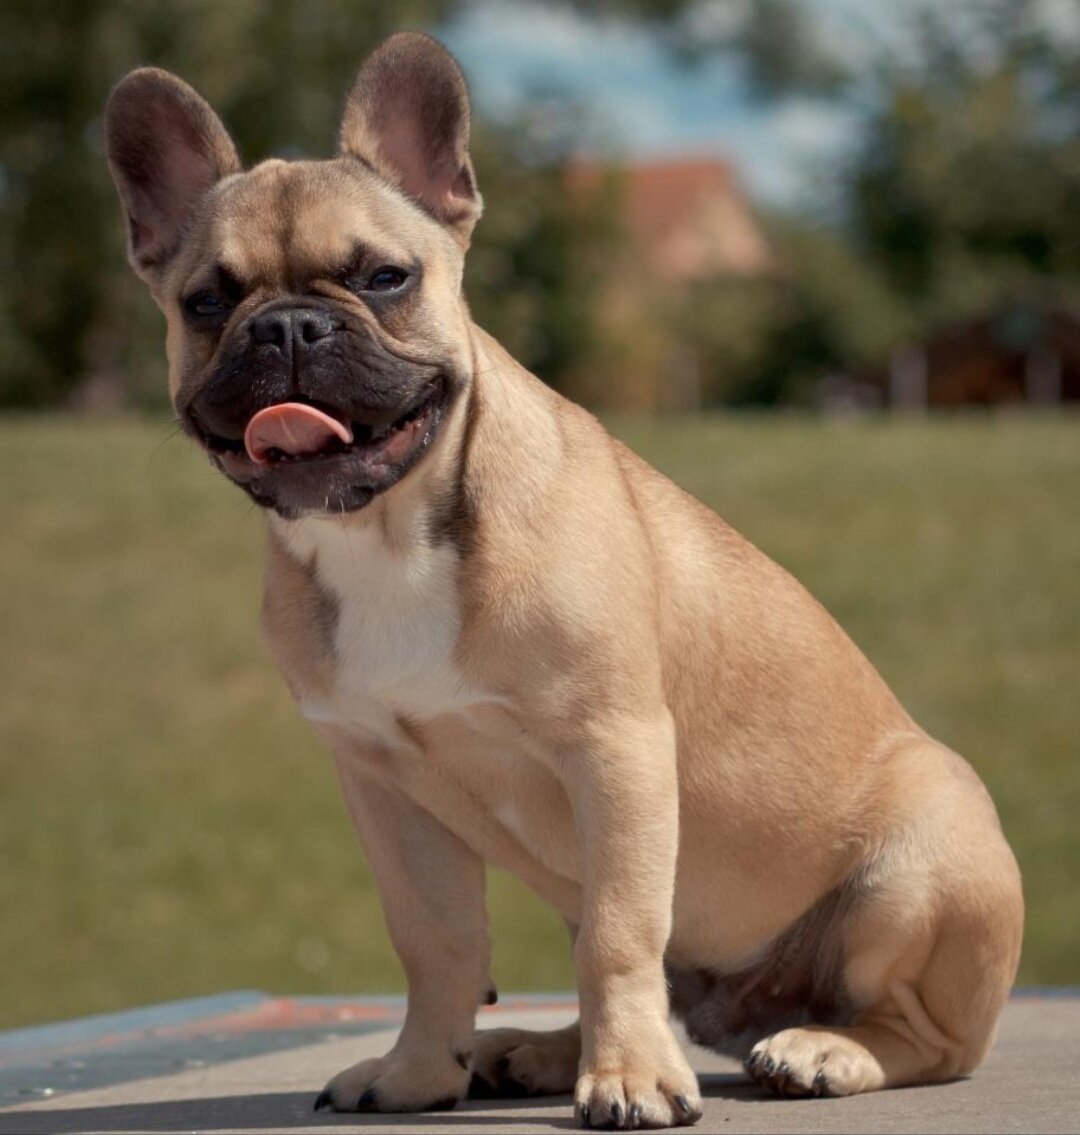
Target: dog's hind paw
(516, 1062)
(814, 1062)
(396, 1083)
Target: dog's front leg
(432, 891)
(624, 786)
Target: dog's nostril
(273, 327)
(313, 325)
(278, 328)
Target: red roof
(673, 205)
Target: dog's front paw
(396, 1083)
(640, 1091)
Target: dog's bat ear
(166, 149)
(407, 116)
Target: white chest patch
(397, 628)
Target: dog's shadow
(284, 1110)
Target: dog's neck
(400, 521)
(503, 429)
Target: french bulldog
(526, 647)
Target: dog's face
(316, 333)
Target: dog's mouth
(292, 448)
(301, 430)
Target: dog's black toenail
(687, 1112)
(464, 1059)
(505, 1086)
(366, 1101)
(508, 1087)
(481, 1089)
(492, 996)
(322, 1100)
(821, 1084)
(635, 1115)
(770, 1065)
(583, 1114)
(616, 1113)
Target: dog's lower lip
(372, 446)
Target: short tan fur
(531, 649)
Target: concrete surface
(1029, 1083)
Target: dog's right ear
(166, 149)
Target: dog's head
(317, 338)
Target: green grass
(168, 827)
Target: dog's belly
(470, 770)
(476, 771)
(507, 794)
(796, 979)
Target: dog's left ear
(408, 117)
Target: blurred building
(683, 222)
(687, 218)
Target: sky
(642, 102)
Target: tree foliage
(276, 72)
(962, 188)
(971, 159)
(959, 196)
(73, 322)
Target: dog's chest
(394, 632)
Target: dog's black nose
(284, 327)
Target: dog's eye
(386, 279)
(206, 305)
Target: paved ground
(249, 1063)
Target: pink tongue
(293, 428)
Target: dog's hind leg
(510, 1063)
(517, 1062)
(930, 952)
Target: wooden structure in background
(1020, 354)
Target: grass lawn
(169, 828)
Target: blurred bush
(960, 194)
(75, 327)
(956, 202)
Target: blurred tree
(69, 313)
(960, 195)
(969, 167)
(49, 280)
(783, 52)
(962, 188)
(73, 322)
(767, 341)
(541, 255)
(778, 42)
